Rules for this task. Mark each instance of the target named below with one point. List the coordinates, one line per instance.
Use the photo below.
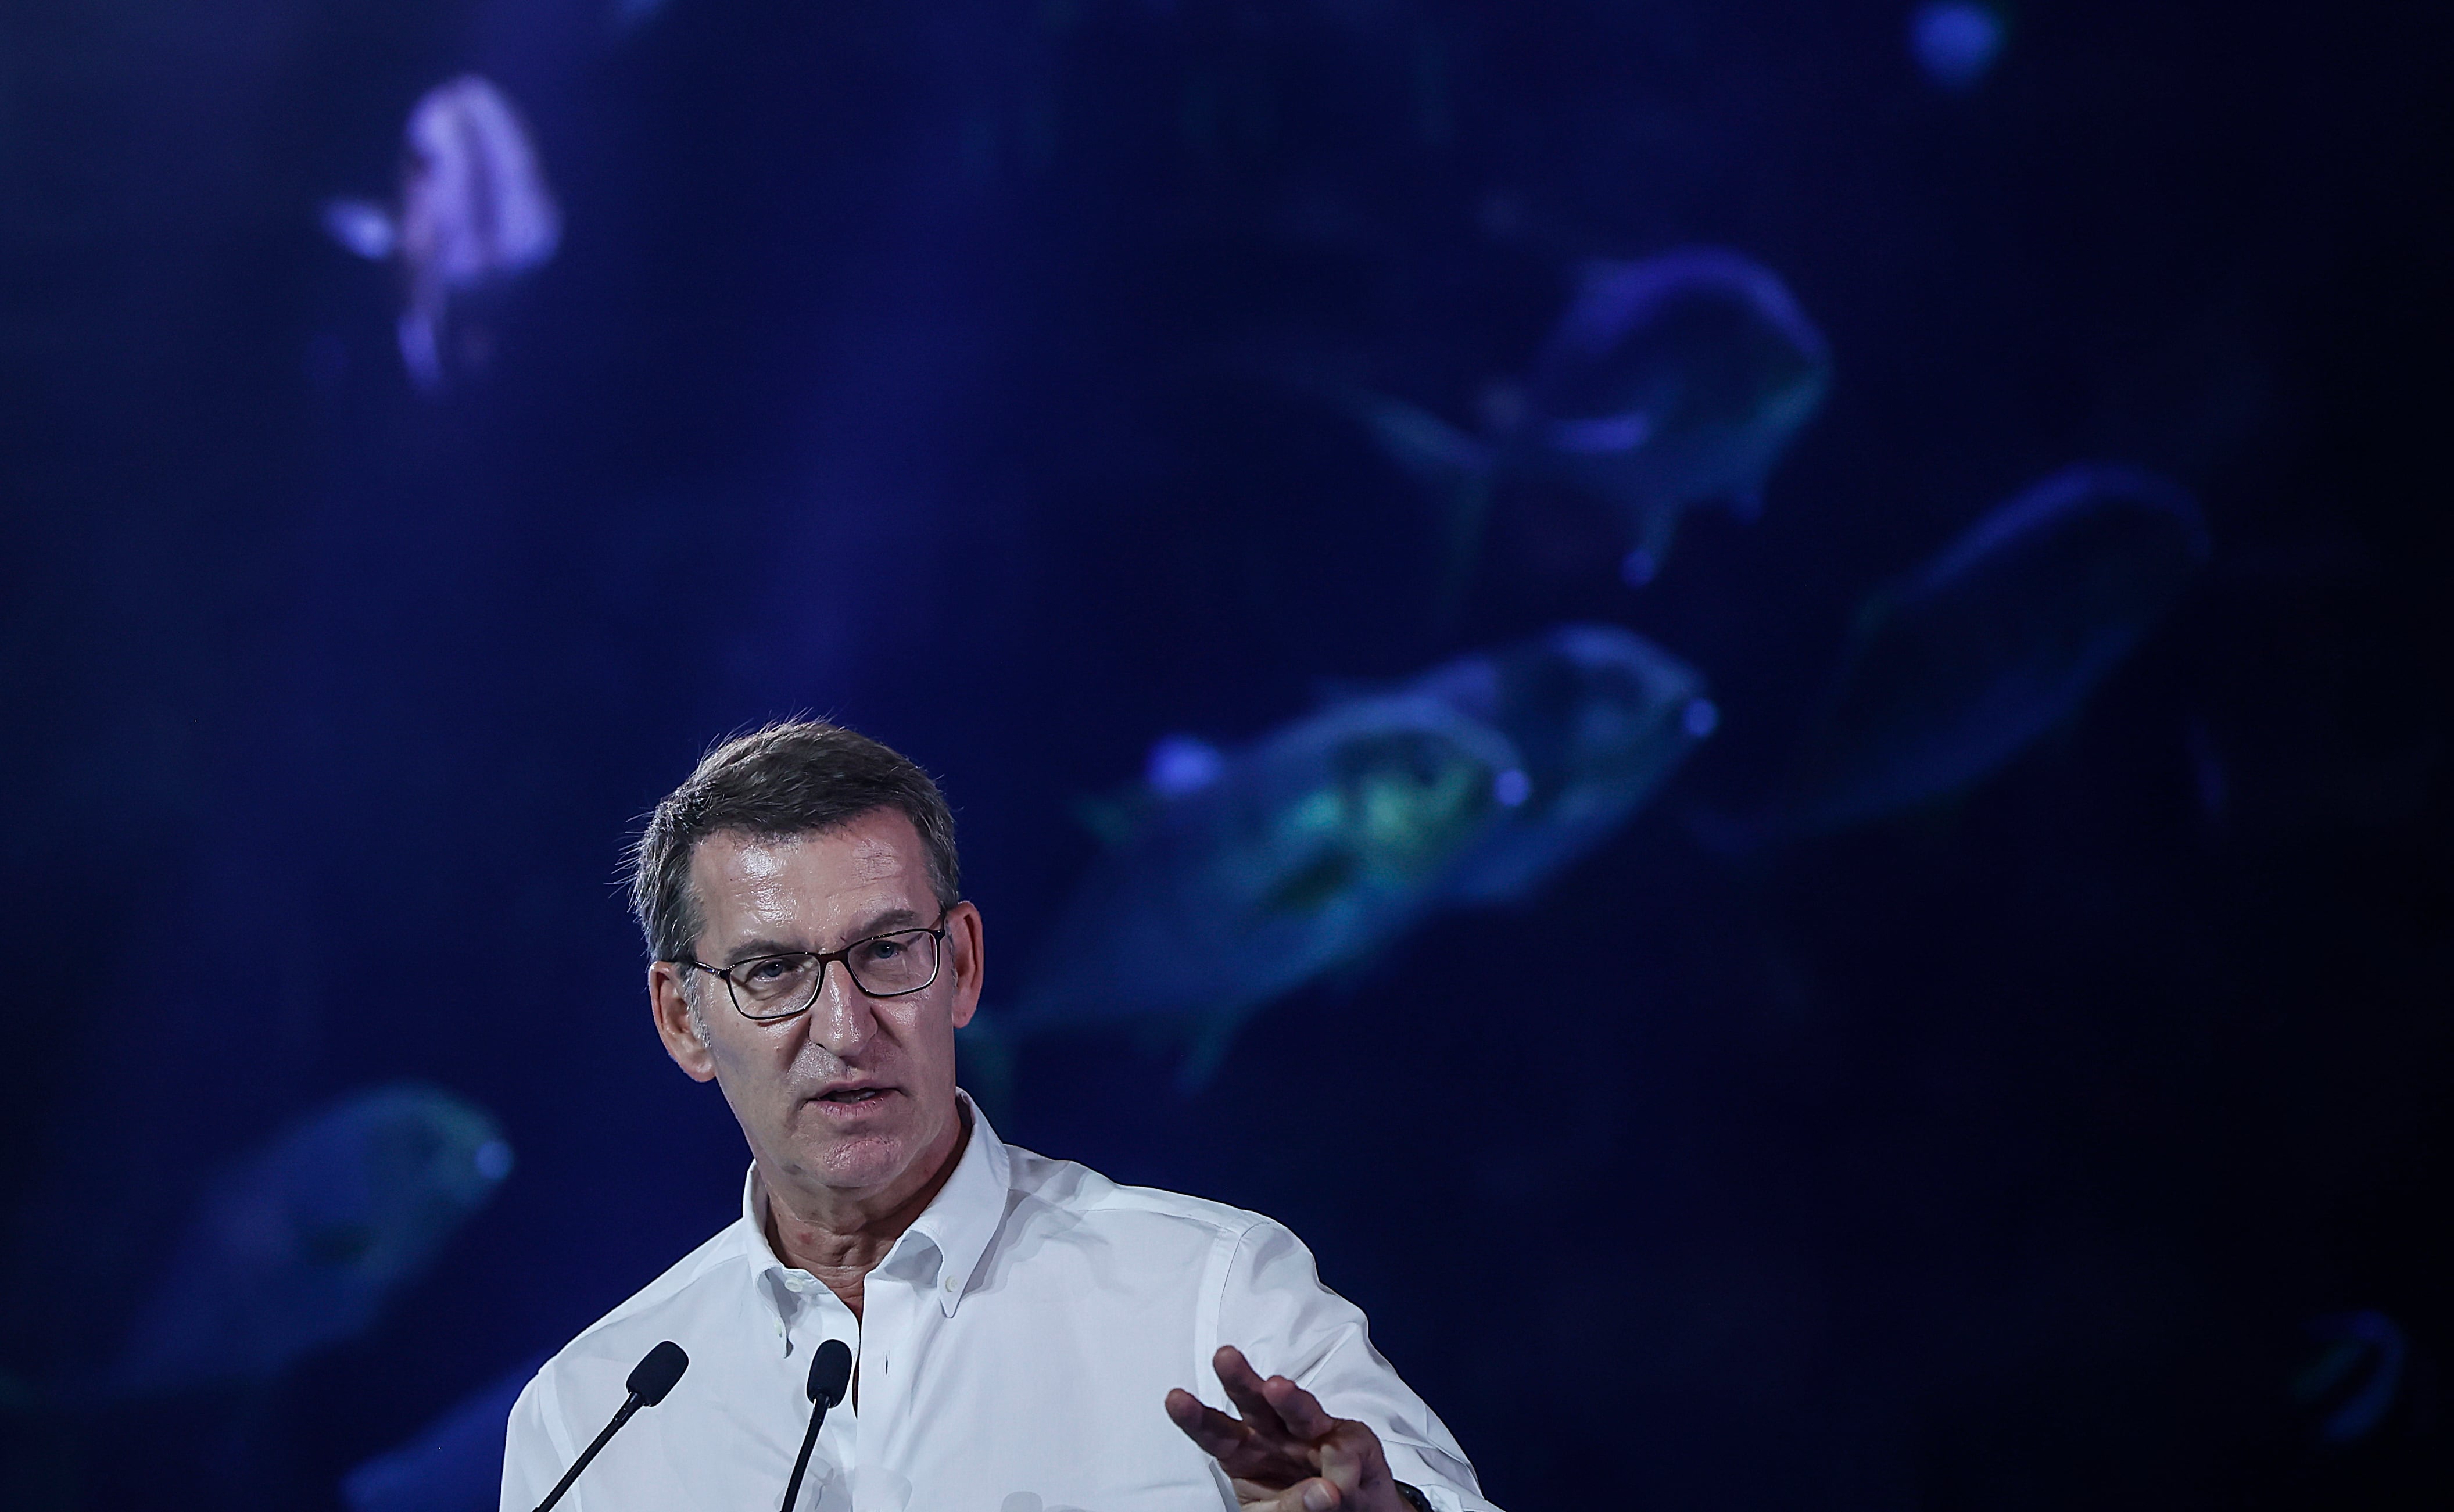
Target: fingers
(1237, 1374)
(1304, 1496)
(1298, 1409)
(1217, 1434)
(1276, 1401)
(1348, 1461)
(1287, 1454)
(1341, 1465)
(1276, 1407)
(1245, 1388)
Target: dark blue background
(910, 364)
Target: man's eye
(771, 968)
(876, 952)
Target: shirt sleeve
(533, 1451)
(1274, 1308)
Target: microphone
(830, 1372)
(650, 1379)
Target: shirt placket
(895, 1308)
(819, 1315)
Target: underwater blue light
(1956, 42)
(1180, 764)
(494, 1160)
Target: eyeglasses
(894, 965)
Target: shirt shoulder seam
(1221, 1217)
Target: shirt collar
(964, 1216)
(955, 1229)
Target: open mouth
(847, 1097)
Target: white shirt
(1014, 1347)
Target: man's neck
(840, 1239)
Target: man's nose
(840, 1017)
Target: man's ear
(678, 1023)
(969, 952)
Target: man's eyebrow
(752, 949)
(881, 923)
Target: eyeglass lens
(885, 966)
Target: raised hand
(1285, 1454)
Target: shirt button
(951, 1284)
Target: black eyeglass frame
(824, 958)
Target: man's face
(856, 1095)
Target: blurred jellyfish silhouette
(1669, 383)
(2356, 1376)
(1180, 764)
(299, 1245)
(1951, 672)
(1956, 42)
(629, 15)
(1302, 854)
(453, 1464)
(473, 212)
(1233, 878)
(1598, 716)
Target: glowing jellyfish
(1956, 42)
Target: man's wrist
(1413, 1498)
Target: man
(1028, 1336)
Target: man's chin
(856, 1160)
(865, 1147)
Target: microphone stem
(572, 1474)
(801, 1466)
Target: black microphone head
(830, 1372)
(654, 1376)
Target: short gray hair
(800, 776)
